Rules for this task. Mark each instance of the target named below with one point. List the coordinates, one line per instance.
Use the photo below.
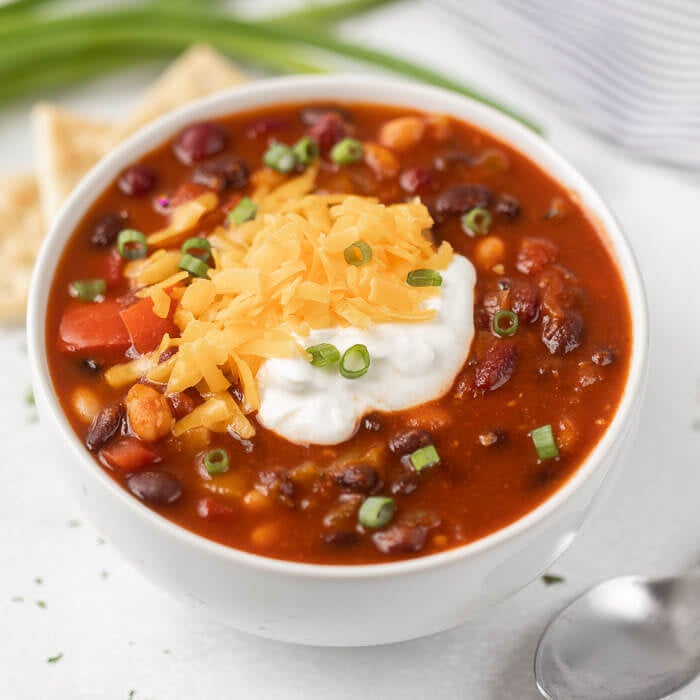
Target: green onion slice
(477, 222)
(505, 323)
(280, 157)
(424, 457)
(543, 438)
(347, 151)
(88, 290)
(357, 253)
(355, 361)
(195, 266)
(131, 244)
(323, 354)
(197, 247)
(424, 278)
(244, 211)
(216, 461)
(376, 512)
(305, 150)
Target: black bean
(507, 205)
(91, 365)
(603, 357)
(137, 180)
(401, 538)
(342, 538)
(106, 229)
(222, 173)
(199, 141)
(104, 425)
(372, 422)
(461, 199)
(408, 441)
(155, 487)
(357, 477)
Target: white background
(118, 633)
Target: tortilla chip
(67, 146)
(200, 71)
(21, 233)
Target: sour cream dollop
(411, 363)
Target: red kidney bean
(327, 130)
(404, 483)
(155, 487)
(408, 441)
(181, 404)
(137, 180)
(401, 538)
(310, 115)
(461, 199)
(507, 205)
(372, 423)
(199, 141)
(104, 425)
(535, 254)
(496, 367)
(342, 538)
(603, 357)
(522, 298)
(91, 365)
(357, 477)
(222, 173)
(561, 331)
(266, 126)
(417, 181)
(107, 228)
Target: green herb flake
(38, 580)
(41, 604)
(132, 693)
(17, 599)
(29, 398)
(101, 541)
(552, 579)
(104, 574)
(74, 523)
(54, 659)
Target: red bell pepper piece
(145, 328)
(209, 507)
(129, 454)
(87, 326)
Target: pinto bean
(562, 330)
(105, 424)
(492, 438)
(408, 441)
(149, 413)
(402, 133)
(496, 367)
(155, 487)
(461, 199)
(357, 477)
(222, 173)
(535, 254)
(401, 538)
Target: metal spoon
(630, 638)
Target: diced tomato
(87, 326)
(129, 454)
(145, 328)
(209, 507)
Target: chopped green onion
(357, 253)
(347, 151)
(323, 354)
(197, 247)
(131, 244)
(505, 323)
(280, 157)
(477, 222)
(376, 512)
(424, 457)
(195, 266)
(543, 438)
(424, 278)
(87, 290)
(244, 211)
(355, 361)
(305, 150)
(216, 461)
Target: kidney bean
(417, 181)
(267, 126)
(310, 115)
(222, 173)
(408, 441)
(507, 205)
(372, 423)
(356, 477)
(181, 404)
(404, 483)
(522, 298)
(155, 487)
(105, 424)
(91, 365)
(445, 161)
(603, 357)
(462, 198)
(496, 367)
(535, 254)
(137, 180)
(107, 228)
(199, 141)
(561, 331)
(341, 538)
(401, 538)
(327, 130)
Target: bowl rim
(338, 88)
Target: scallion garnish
(216, 461)
(244, 211)
(376, 512)
(543, 439)
(88, 290)
(357, 253)
(347, 151)
(280, 157)
(424, 278)
(131, 244)
(355, 361)
(505, 323)
(477, 222)
(305, 150)
(323, 354)
(195, 266)
(197, 247)
(424, 457)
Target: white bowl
(316, 604)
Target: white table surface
(117, 633)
